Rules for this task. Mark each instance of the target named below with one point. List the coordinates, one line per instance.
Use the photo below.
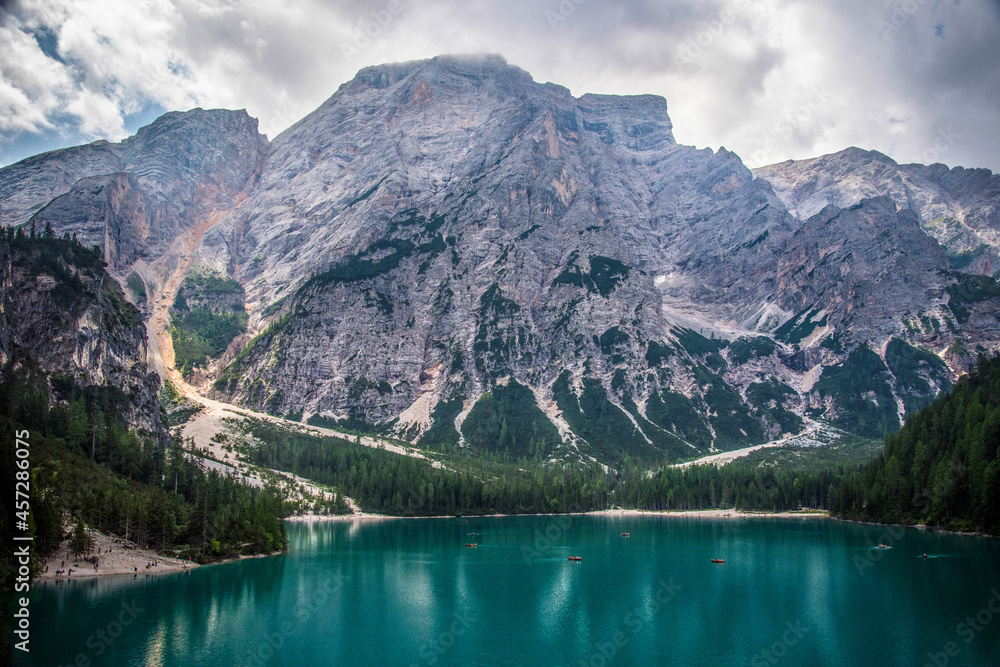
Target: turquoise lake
(409, 592)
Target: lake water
(409, 592)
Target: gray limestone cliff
(135, 197)
(440, 228)
(60, 313)
(958, 207)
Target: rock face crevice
(438, 227)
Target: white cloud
(31, 84)
(769, 79)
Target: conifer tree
(81, 543)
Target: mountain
(134, 198)
(443, 239)
(74, 385)
(959, 207)
(63, 318)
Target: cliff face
(61, 313)
(960, 208)
(134, 198)
(438, 228)
(466, 224)
(865, 265)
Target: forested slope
(74, 377)
(942, 468)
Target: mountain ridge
(437, 227)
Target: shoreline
(918, 526)
(730, 514)
(236, 559)
(709, 514)
(115, 556)
(717, 514)
(122, 556)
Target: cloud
(769, 79)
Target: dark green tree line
(942, 468)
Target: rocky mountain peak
(449, 76)
(454, 78)
(134, 197)
(441, 228)
(187, 147)
(476, 67)
(960, 208)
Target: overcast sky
(769, 79)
